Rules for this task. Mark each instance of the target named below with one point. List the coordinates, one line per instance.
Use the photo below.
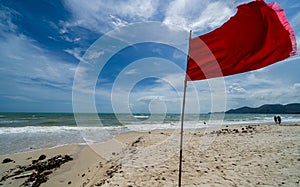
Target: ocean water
(28, 131)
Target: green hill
(293, 108)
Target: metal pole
(182, 116)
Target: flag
(258, 35)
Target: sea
(20, 132)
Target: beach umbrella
(258, 35)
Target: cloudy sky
(44, 42)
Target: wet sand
(265, 155)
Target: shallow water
(27, 131)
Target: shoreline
(21, 133)
(173, 128)
(264, 155)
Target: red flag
(257, 36)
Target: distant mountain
(293, 108)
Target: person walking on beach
(279, 120)
(275, 119)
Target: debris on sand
(36, 172)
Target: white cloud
(33, 71)
(6, 23)
(257, 88)
(198, 15)
(213, 16)
(158, 51)
(169, 94)
(163, 94)
(176, 80)
(252, 79)
(94, 54)
(296, 87)
(21, 98)
(236, 88)
(30, 73)
(283, 95)
(179, 55)
(150, 98)
(100, 16)
(131, 72)
(76, 52)
(117, 22)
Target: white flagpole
(182, 116)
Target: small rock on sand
(7, 160)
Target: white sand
(265, 156)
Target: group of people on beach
(277, 120)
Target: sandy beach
(260, 155)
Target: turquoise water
(28, 131)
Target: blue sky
(43, 42)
